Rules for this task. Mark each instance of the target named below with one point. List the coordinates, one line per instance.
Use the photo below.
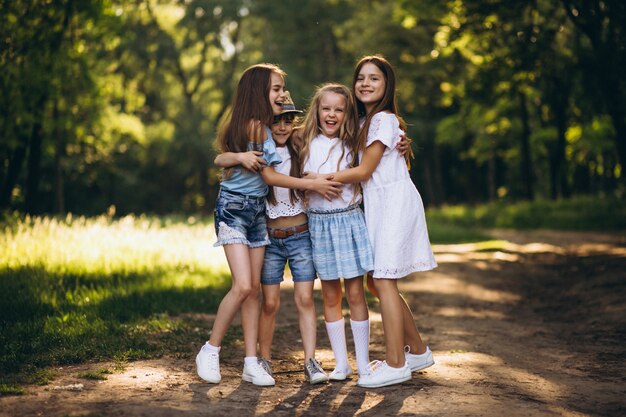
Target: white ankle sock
(337, 335)
(210, 348)
(250, 360)
(361, 336)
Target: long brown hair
(347, 131)
(387, 103)
(296, 166)
(250, 103)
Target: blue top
(242, 181)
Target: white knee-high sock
(361, 336)
(337, 335)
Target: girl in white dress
(395, 219)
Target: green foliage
(115, 105)
(114, 289)
(580, 213)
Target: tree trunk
(491, 176)
(428, 182)
(557, 92)
(59, 154)
(34, 160)
(15, 167)
(526, 161)
(562, 161)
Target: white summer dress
(394, 212)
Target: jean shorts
(295, 249)
(240, 219)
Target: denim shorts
(240, 219)
(295, 249)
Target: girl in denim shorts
(341, 247)
(247, 145)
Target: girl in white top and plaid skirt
(339, 236)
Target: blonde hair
(347, 131)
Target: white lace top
(283, 205)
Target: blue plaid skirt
(341, 247)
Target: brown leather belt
(289, 231)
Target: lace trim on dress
(401, 272)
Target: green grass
(76, 289)
(11, 389)
(442, 232)
(98, 375)
(579, 213)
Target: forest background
(113, 106)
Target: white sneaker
(371, 367)
(340, 375)
(314, 372)
(208, 366)
(267, 365)
(257, 375)
(384, 375)
(418, 362)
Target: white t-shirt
(283, 205)
(324, 153)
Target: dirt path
(537, 328)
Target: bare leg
(393, 321)
(355, 294)
(303, 296)
(267, 320)
(412, 336)
(250, 308)
(238, 257)
(332, 294)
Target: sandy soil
(536, 329)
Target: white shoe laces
(213, 362)
(314, 367)
(257, 370)
(373, 365)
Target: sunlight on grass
(101, 245)
(78, 289)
